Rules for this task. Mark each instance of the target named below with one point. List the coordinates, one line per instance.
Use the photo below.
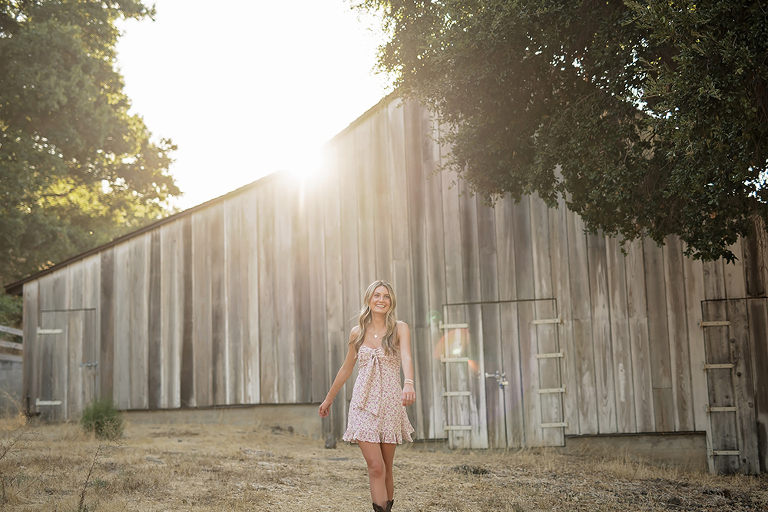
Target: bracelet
(409, 381)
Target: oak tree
(649, 118)
(76, 169)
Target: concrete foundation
(682, 449)
(301, 419)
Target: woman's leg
(376, 471)
(388, 452)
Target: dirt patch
(220, 467)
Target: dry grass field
(227, 468)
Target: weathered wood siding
(250, 298)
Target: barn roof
(16, 288)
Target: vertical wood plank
(436, 271)
(171, 313)
(43, 365)
(249, 294)
(236, 265)
(694, 294)
(334, 290)
(601, 334)
(318, 340)
(187, 369)
(167, 288)
(91, 328)
(366, 228)
(561, 278)
(528, 341)
(284, 294)
(478, 416)
(658, 336)
(74, 274)
(494, 362)
(486, 239)
(60, 347)
(550, 404)
(677, 328)
(758, 334)
(523, 249)
(638, 331)
(350, 265)
(45, 374)
(401, 249)
(420, 330)
(218, 306)
(714, 280)
(74, 355)
(753, 262)
(529, 347)
(32, 353)
(505, 255)
(139, 325)
(122, 338)
(513, 393)
(301, 296)
(155, 352)
(201, 307)
(267, 297)
(735, 275)
(471, 286)
(107, 328)
(620, 337)
(382, 164)
(743, 386)
(457, 409)
(582, 326)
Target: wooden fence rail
(11, 330)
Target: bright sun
(305, 164)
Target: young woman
(377, 419)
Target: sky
(248, 87)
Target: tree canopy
(76, 169)
(649, 117)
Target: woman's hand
(325, 407)
(409, 394)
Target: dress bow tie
(371, 399)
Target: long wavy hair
(389, 341)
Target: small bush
(103, 419)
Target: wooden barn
(526, 331)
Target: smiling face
(380, 300)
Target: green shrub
(103, 419)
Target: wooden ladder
(557, 390)
(449, 394)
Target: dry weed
(220, 467)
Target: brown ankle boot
(378, 508)
(389, 505)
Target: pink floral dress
(376, 412)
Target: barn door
(67, 368)
(531, 373)
(506, 357)
(52, 365)
(731, 409)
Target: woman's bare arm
(345, 372)
(404, 333)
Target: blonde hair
(389, 341)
